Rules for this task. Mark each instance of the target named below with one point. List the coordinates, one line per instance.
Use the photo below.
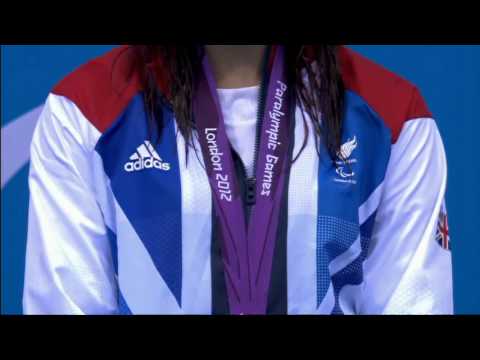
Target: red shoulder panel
(392, 97)
(103, 87)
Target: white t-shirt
(239, 108)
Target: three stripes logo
(146, 157)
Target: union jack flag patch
(442, 235)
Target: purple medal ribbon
(247, 253)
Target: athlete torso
(120, 223)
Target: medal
(247, 252)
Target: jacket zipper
(252, 181)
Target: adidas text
(142, 164)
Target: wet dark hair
(321, 95)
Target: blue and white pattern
(152, 254)
(346, 207)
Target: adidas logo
(146, 158)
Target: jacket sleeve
(408, 269)
(69, 266)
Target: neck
(236, 66)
